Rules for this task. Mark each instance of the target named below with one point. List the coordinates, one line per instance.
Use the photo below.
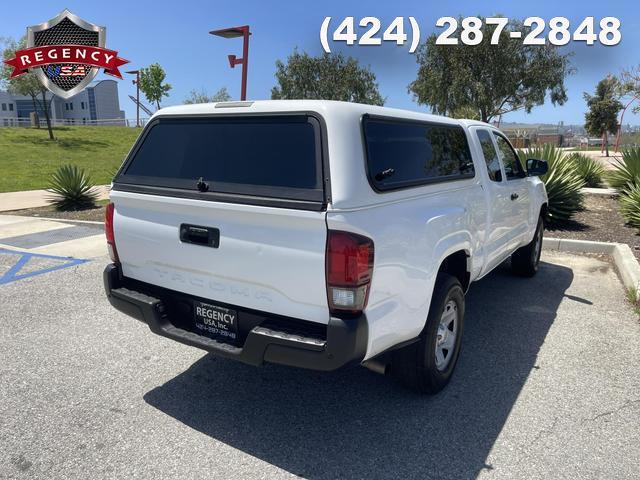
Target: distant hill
(562, 128)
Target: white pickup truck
(318, 233)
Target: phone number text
(470, 31)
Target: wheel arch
(458, 264)
(544, 210)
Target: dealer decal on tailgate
(213, 320)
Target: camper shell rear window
(275, 156)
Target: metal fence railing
(65, 122)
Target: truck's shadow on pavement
(356, 424)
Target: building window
(70, 105)
(4, 107)
(11, 107)
(82, 105)
(66, 106)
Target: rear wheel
(427, 365)
(525, 260)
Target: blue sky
(175, 34)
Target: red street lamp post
(235, 32)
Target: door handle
(206, 236)
(514, 196)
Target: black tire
(525, 260)
(415, 365)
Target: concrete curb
(621, 254)
(605, 192)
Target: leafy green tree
(629, 90)
(26, 84)
(327, 77)
(151, 84)
(629, 80)
(465, 111)
(602, 117)
(490, 80)
(221, 95)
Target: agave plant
(563, 183)
(630, 204)
(72, 189)
(627, 170)
(589, 169)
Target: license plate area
(215, 322)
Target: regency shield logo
(66, 54)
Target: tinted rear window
(402, 154)
(262, 156)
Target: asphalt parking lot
(548, 386)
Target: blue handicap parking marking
(13, 274)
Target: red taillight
(108, 230)
(349, 259)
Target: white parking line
(87, 247)
(16, 226)
(27, 226)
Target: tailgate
(253, 185)
(268, 259)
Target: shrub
(627, 170)
(72, 189)
(589, 169)
(562, 182)
(630, 204)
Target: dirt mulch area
(92, 214)
(600, 221)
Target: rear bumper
(345, 340)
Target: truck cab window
(490, 155)
(512, 167)
(404, 153)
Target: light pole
(136, 82)
(236, 32)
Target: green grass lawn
(28, 158)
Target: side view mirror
(536, 168)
